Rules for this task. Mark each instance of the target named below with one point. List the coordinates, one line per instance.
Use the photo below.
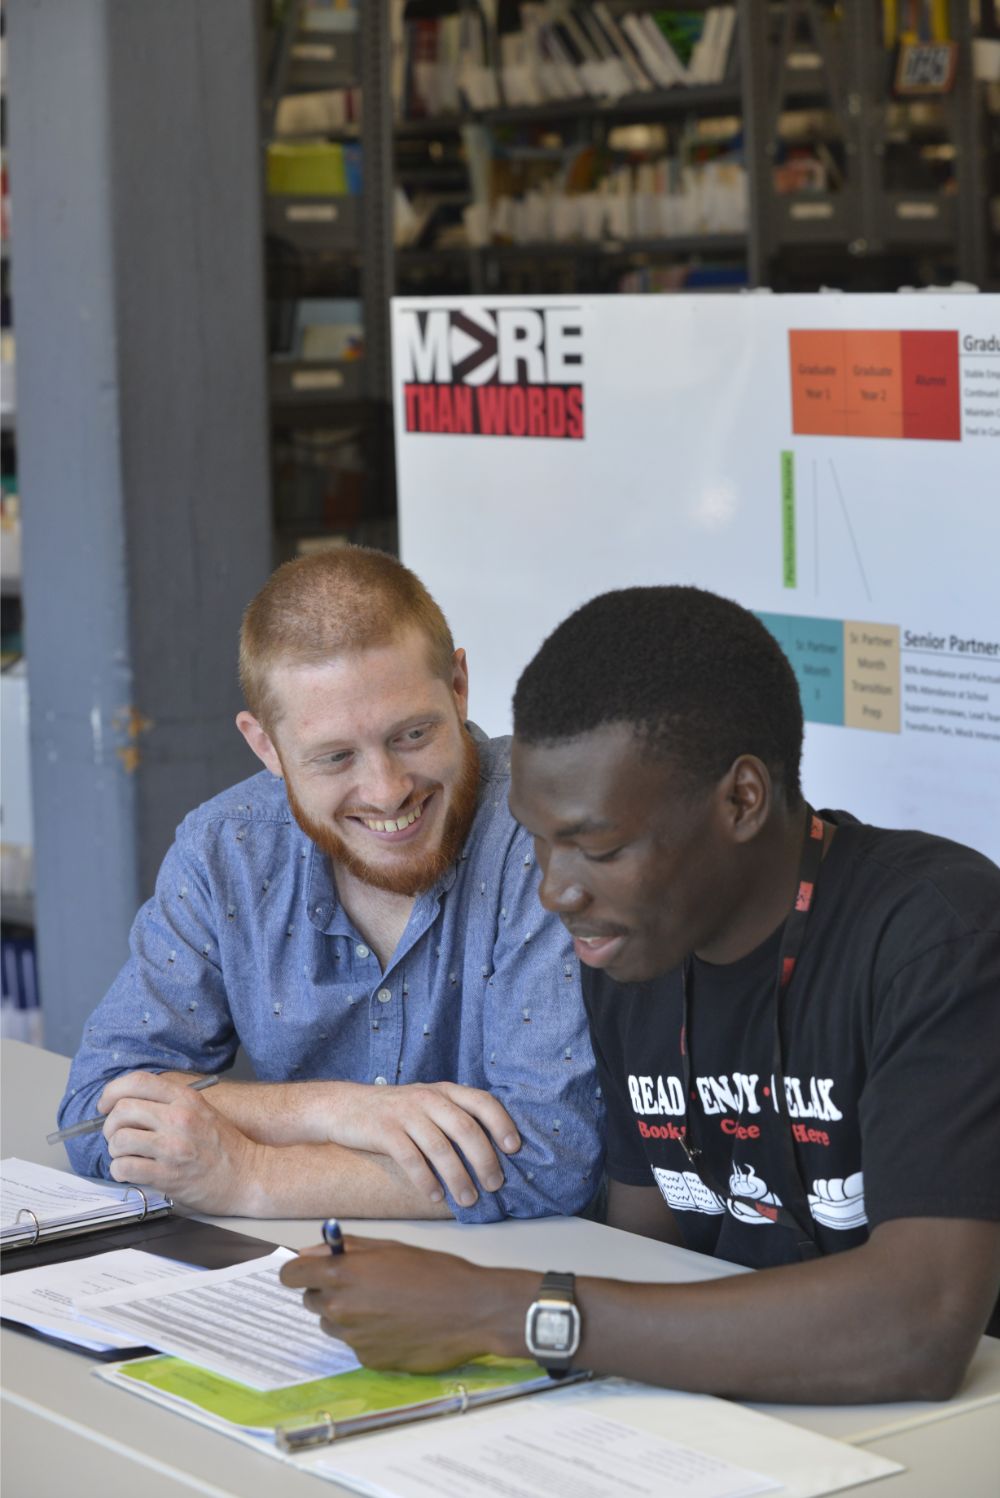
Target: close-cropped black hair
(699, 677)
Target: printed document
(241, 1322)
(43, 1297)
(611, 1436)
(543, 1453)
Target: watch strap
(559, 1284)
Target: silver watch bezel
(564, 1307)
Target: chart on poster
(832, 462)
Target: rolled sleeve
(538, 1059)
(166, 1010)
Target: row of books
(651, 200)
(649, 279)
(441, 65)
(556, 52)
(321, 112)
(339, 17)
(314, 169)
(325, 330)
(579, 51)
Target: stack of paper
(44, 1298)
(37, 1202)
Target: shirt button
(381, 1082)
(384, 995)
(361, 950)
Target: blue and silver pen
(332, 1236)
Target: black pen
(332, 1236)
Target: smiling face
(639, 867)
(379, 770)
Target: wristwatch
(552, 1325)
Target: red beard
(424, 870)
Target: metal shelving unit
(342, 243)
(865, 229)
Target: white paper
(241, 1322)
(799, 1462)
(55, 1197)
(543, 1452)
(43, 1297)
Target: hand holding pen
(95, 1124)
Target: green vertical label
(788, 519)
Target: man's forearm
(855, 1327)
(277, 1113)
(325, 1180)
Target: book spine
(639, 80)
(673, 70)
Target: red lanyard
(793, 1212)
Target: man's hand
(160, 1133)
(422, 1127)
(405, 1308)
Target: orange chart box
(875, 383)
(819, 395)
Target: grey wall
(142, 441)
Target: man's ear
(260, 742)
(460, 682)
(749, 795)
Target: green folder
(312, 1414)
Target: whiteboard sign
(831, 462)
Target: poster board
(830, 461)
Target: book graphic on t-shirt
(684, 1191)
(840, 1202)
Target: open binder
(291, 1421)
(39, 1204)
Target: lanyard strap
(794, 1209)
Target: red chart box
(867, 382)
(931, 396)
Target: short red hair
(318, 607)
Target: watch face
(552, 1330)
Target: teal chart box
(815, 648)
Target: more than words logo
(492, 372)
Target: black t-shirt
(891, 1058)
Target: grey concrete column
(142, 441)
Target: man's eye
(602, 857)
(414, 735)
(340, 757)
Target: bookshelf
(329, 263)
(510, 148)
(845, 183)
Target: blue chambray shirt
(245, 943)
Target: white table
(65, 1430)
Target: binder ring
(145, 1201)
(27, 1212)
(463, 1393)
(321, 1430)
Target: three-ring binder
(26, 1211)
(321, 1429)
(61, 1210)
(145, 1201)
